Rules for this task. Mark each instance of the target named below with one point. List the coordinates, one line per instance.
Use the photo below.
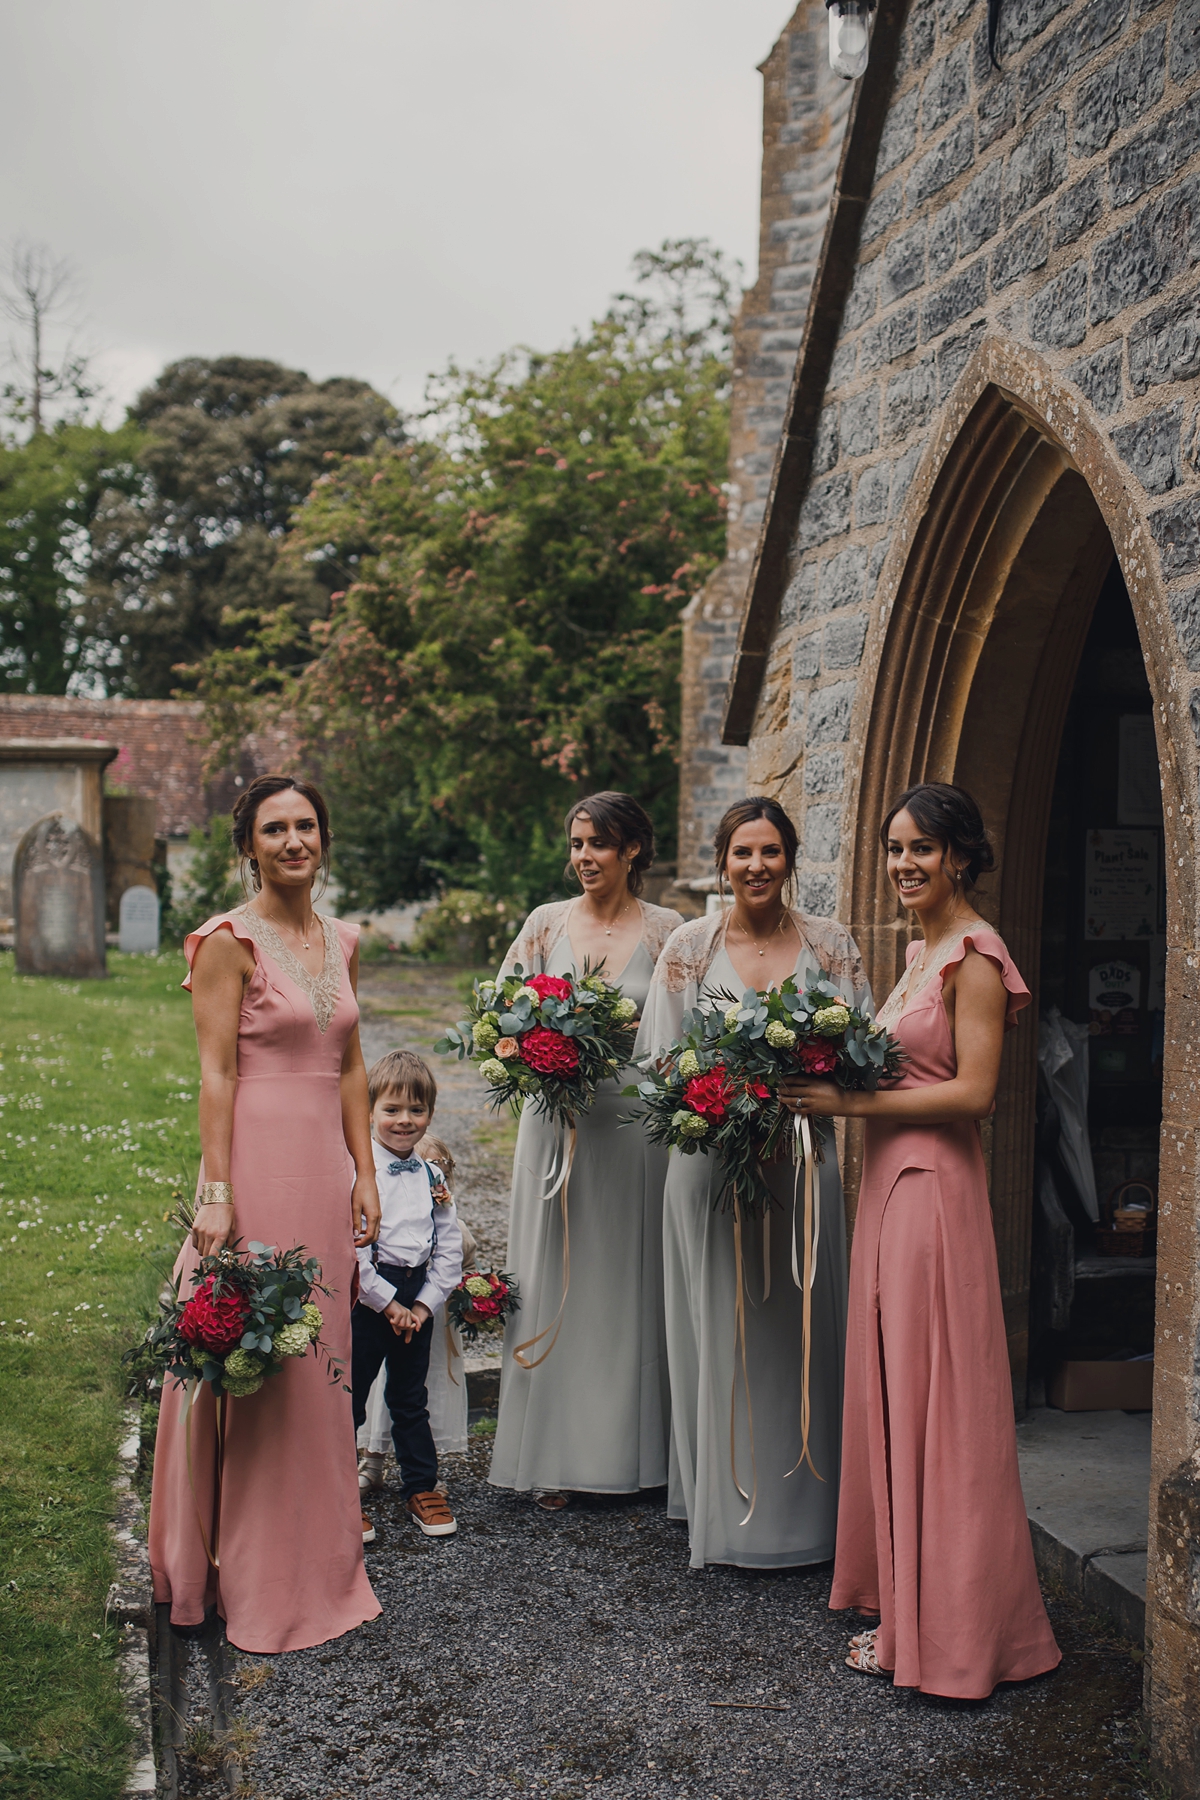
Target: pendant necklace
(769, 936)
(617, 920)
(303, 935)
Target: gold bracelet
(216, 1193)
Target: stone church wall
(804, 115)
(1054, 205)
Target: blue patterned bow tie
(404, 1164)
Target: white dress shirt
(412, 1230)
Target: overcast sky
(370, 187)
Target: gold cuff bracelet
(216, 1193)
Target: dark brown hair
(402, 1072)
(264, 787)
(744, 812)
(619, 819)
(951, 818)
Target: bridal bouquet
(549, 1039)
(482, 1301)
(244, 1317)
(717, 1087)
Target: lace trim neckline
(322, 989)
(908, 987)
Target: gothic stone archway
(982, 611)
(1011, 526)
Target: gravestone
(58, 901)
(139, 922)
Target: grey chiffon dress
(594, 1416)
(795, 1514)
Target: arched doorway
(976, 668)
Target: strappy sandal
(550, 1500)
(863, 1660)
(864, 1638)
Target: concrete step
(1086, 1479)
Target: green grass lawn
(97, 1137)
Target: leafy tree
(231, 447)
(506, 628)
(53, 489)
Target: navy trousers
(375, 1343)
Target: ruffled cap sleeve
(194, 939)
(988, 943)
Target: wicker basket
(1129, 1230)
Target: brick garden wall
(1053, 206)
(161, 750)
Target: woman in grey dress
(593, 1416)
(756, 943)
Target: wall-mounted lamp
(849, 36)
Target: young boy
(403, 1278)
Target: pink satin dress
(932, 1529)
(290, 1538)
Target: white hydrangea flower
(292, 1340)
(780, 1036)
(831, 1021)
(689, 1064)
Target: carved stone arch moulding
(983, 605)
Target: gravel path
(575, 1653)
(406, 1007)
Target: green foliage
(467, 926)
(99, 1131)
(230, 447)
(208, 885)
(505, 633)
(54, 492)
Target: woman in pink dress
(276, 1543)
(932, 1529)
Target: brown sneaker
(368, 1530)
(432, 1513)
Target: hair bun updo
(951, 817)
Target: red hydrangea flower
(548, 1051)
(215, 1323)
(709, 1095)
(817, 1058)
(486, 1309)
(550, 987)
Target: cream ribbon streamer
(806, 1150)
(739, 1319)
(453, 1353)
(214, 1553)
(557, 1182)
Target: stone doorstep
(131, 1603)
(1086, 1479)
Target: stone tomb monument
(58, 900)
(139, 922)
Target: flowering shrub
(546, 1038)
(716, 1088)
(466, 924)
